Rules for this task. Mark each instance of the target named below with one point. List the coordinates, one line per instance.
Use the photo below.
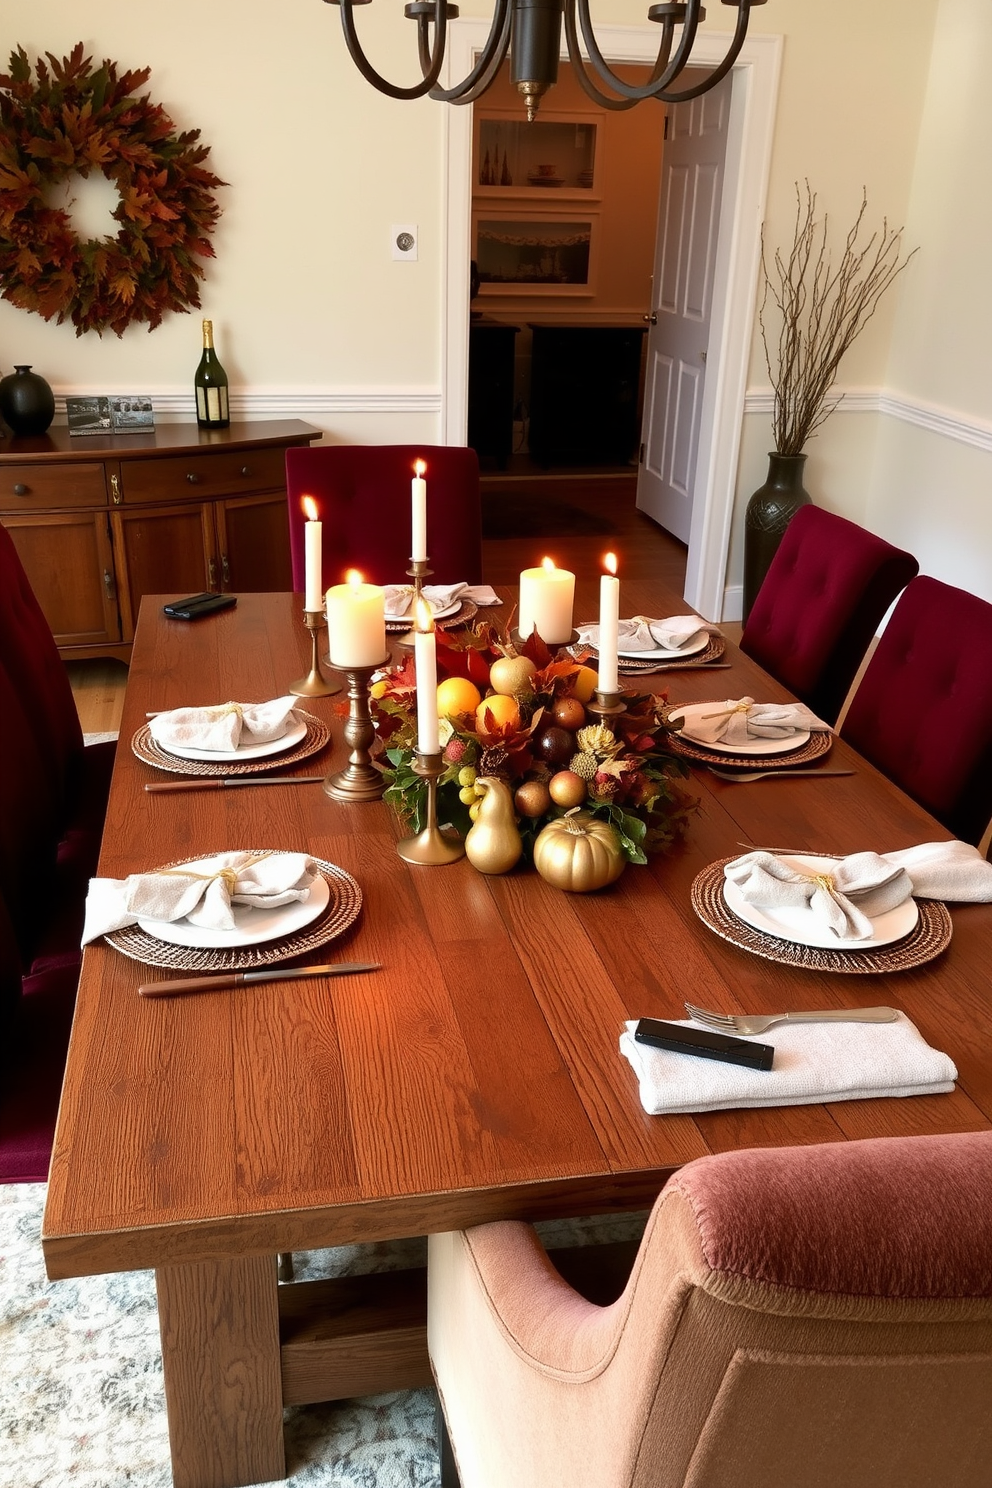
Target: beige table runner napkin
(204, 898)
(225, 726)
(742, 720)
(846, 895)
(813, 1062)
(399, 597)
(644, 634)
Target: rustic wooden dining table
(476, 1076)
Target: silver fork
(747, 777)
(745, 1025)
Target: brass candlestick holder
(570, 640)
(418, 571)
(606, 705)
(360, 781)
(431, 847)
(314, 684)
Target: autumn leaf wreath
(73, 118)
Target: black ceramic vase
(27, 403)
(769, 512)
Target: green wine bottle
(210, 384)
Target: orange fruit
(585, 683)
(501, 708)
(456, 695)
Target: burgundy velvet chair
(363, 495)
(827, 588)
(923, 709)
(816, 1317)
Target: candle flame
(354, 578)
(419, 467)
(549, 564)
(310, 507)
(423, 616)
(610, 563)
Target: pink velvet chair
(923, 709)
(362, 492)
(815, 1317)
(827, 588)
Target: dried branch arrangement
(811, 312)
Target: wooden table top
(477, 1075)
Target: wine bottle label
(201, 404)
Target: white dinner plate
(800, 924)
(439, 612)
(295, 734)
(753, 746)
(251, 926)
(662, 653)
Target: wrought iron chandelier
(530, 31)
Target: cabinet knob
(21, 489)
(225, 570)
(246, 470)
(115, 489)
(212, 573)
(108, 584)
(193, 478)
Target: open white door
(682, 301)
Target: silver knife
(242, 978)
(219, 782)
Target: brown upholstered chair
(796, 1318)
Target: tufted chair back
(923, 709)
(816, 1316)
(825, 592)
(363, 494)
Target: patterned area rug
(81, 1399)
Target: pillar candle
(313, 556)
(425, 661)
(356, 623)
(546, 596)
(418, 541)
(609, 620)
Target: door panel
(164, 550)
(253, 543)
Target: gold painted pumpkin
(578, 852)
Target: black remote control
(678, 1039)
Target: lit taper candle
(313, 555)
(356, 622)
(425, 661)
(546, 597)
(418, 491)
(609, 624)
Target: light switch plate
(403, 236)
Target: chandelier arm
(370, 74)
(719, 72)
(580, 67)
(654, 87)
(490, 60)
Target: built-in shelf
(552, 157)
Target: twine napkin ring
(744, 706)
(227, 876)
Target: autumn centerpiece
(517, 732)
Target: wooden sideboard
(100, 520)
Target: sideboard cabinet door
(70, 563)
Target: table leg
(219, 1322)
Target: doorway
(752, 107)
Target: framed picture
(537, 254)
(130, 414)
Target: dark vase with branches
(811, 311)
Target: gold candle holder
(314, 684)
(606, 705)
(418, 571)
(431, 847)
(360, 781)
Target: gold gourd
(493, 843)
(578, 852)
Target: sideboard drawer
(32, 487)
(202, 475)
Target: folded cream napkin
(845, 895)
(644, 634)
(742, 720)
(399, 597)
(225, 726)
(204, 898)
(813, 1062)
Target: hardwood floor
(645, 550)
